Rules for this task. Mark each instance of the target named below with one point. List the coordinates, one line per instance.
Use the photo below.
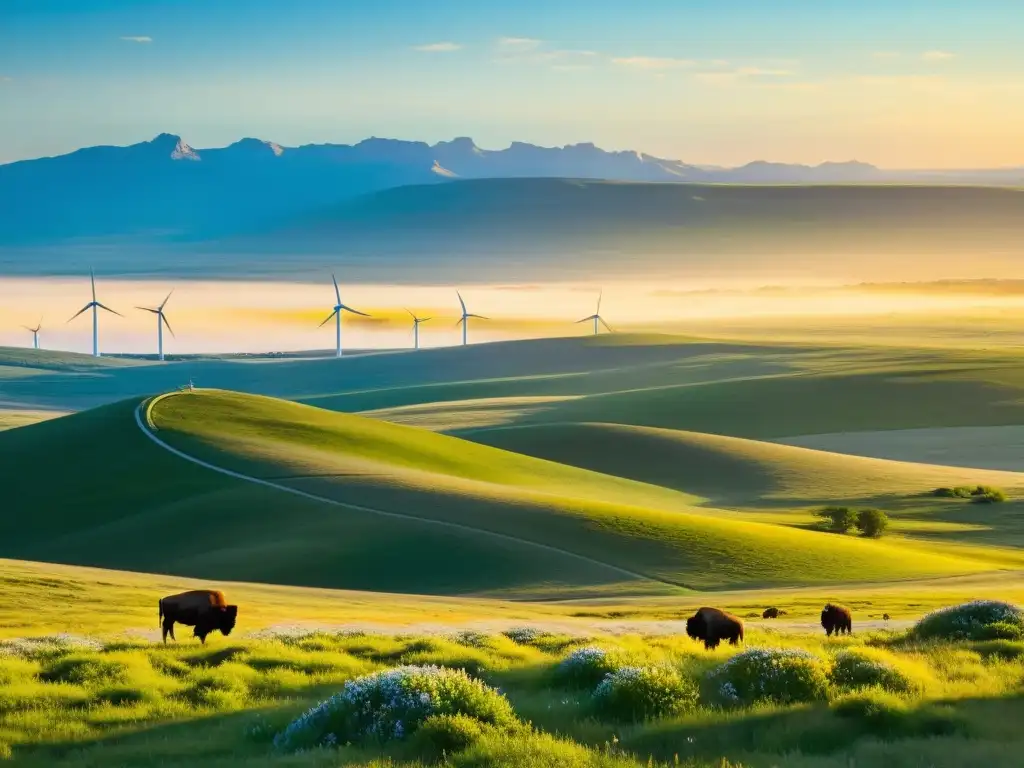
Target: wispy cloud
(137, 38)
(445, 47)
(4, 79)
(740, 74)
(519, 44)
(652, 62)
(937, 55)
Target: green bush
(393, 704)
(587, 666)
(124, 695)
(838, 519)
(987, 495)
(636, 694)
(872, 522)
(442, 735)
(981, 494)
(871, 668)
(779, 675)
(977, 620)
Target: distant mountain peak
(257, 146)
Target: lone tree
(872, 522)
(838, 519)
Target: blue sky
(914, 83)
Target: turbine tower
(161, 321)
(464, 320)
(416, 328)
(596, 317)
(336, 314)
(35, 333)
(95, 306)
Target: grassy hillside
(640, 527)
(728, 469)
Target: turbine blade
(329, 318)
(601, 320)
(410, 313)
(461, 302)
(101, 306)
(147, 309)
(337, 292)
(164, 318)
(353, 311)
(480, 316)
(92, 279)
(167, 299)
(600, 295)
(585, 319)
(460, 321)
(424, 319)
(83, 309)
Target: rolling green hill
(392, 509)
(731, 470)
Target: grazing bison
(836, 618)
(770, 613)
(712, 626)
(885, 617)
(204, 609)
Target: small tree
(872, 522)
(838, 519)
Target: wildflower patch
(779, 675)
(636, 694)
(393, 704)
(977, 620)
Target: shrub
(779, 675)
(870, 668)
(393, 704)
(959, 492)
(635, 694)
(523, 635)
(446, 734)
(987, 495)
(838, 519)
(872, 522)
(473, 639)
(587, 666)
(977, 620)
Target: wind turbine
(94, 306)
(161, 321)
(464, 320)
(35, 333)
(336, 314)
(416, 328)
(596, 317)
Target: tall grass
(140, 704)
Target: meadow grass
(77, 702)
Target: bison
(204, 609)
(712, 626)
(770, 613)
(836, 618)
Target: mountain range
(165, 191)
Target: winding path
(144, 420)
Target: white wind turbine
(596, 317)
(464, 320)
(416, 328)
(95, 306)
(161, 321)
(35, 333)
(336, 314)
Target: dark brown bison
(204, 609)
(885, 617)
(770, 613)
(836, 618)
(712, 626)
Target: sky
(907, 84)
